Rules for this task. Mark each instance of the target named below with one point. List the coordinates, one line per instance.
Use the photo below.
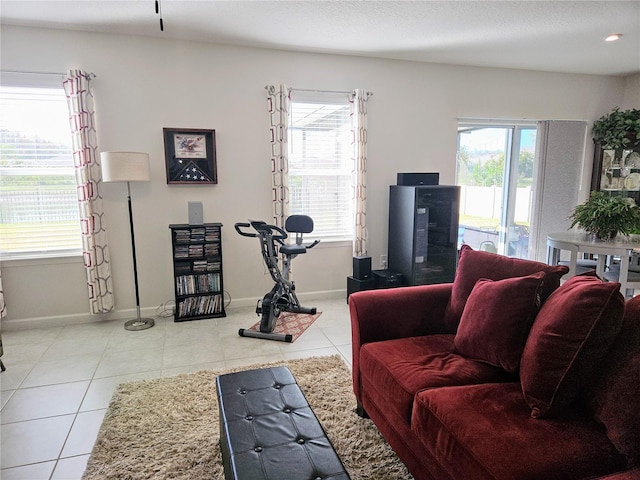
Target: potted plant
(606, 216)
(618, 129)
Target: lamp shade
(125, 167)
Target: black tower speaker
(362, 268)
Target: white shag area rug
(167, 428)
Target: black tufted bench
(268, 430)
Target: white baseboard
(74, 319)
(129, 313)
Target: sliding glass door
(495, 173)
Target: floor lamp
(129, 167)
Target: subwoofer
(355, 285)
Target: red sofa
(503, 374)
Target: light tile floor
(59, 381)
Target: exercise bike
(282, 297)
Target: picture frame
(190, 156)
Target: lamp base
(139, 324)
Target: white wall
(631, 93)
(145, 84)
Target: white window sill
(76, 258)
(51, 260)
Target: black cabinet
(423, 232)
(197, 271)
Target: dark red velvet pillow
(571, 334)
(613, 394)
(474, 265)
(497, 318)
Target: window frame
(326, 98)
(49, 82)
(512, 150)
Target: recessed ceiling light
(613, 37)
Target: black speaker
(387, 279)
(431, 178)
(355, 285)
(362, 268)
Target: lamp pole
(129, 167)
(138, 323)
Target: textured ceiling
(558, 36)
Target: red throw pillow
(497, 318)
(571, 334)
(613, 396)
(474, 265)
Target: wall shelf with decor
(617, 171)
(197, 271)
(616, 156)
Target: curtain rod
(496, 122)
(322, 91)
(89, 75)
(369, 94)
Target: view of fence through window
(38, 202)
(495, 172)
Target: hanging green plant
(606, 216)
(619, 129)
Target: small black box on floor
(413, 179)
(355, 285)
(362, 268)
(387, 278)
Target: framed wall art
(190, 156)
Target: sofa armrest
(378, 315)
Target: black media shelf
(197, 271)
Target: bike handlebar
(276, 232)
(238, 227)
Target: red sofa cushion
(497, 318)
(613, 394)
(474, 265)
(394, 370)
(571, 334)
(486, 432)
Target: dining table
(577, 243)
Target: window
(495, 171)
(38, 201)
(321, 153)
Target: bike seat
(293, 249)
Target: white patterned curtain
(3, 306)
(279, 98)
(95, 250)
(359, 99)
